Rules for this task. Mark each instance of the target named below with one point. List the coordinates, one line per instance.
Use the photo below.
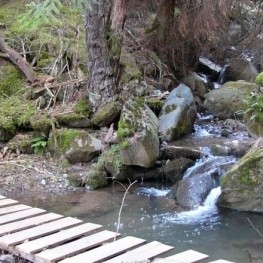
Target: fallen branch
(17, 60)
(255, 228)
(122, 204)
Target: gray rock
(242, 186)
(138, 135)
(178, 114)
(228, 101)
(83, 148)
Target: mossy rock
(83, 106)
(107, 114)
(74, 120)
(259, 79)
(60, 140)
(7, 129)
(111, 161)
(42, 123)
(155, 105)
(15, 114)
(12, 80)
(242, 186)
(22, 143)
(97, 178)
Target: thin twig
(254, 227)
(122, 204)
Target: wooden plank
(221, 261)
(75, 247)
(26, 223)
(189, 256)
(6, 202)
(143, 253)
(13, 208)
(107, 251)
(26, 250)
(20, 215)
(38, 231)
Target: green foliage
(255, 106)
(39, 144)
(259, 79)
(82, 106)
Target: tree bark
(104, 42)
(17, 60)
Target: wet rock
(175, 152)
(242, 186)
(228, 101)
(178, 114)
(239, 69)
(174, 170)
(7, 258)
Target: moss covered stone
(97, 178)
(242, 186)
(22, 143)
(12, 80)
(83, 106)
(74, 120)
(61, 140)
(107, 114)
(42, 123)
(15, 114)
(259, 79)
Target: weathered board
(42, 237)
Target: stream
(147, 212)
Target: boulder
(175, 152)
(77, 146)
(74, 120)
(178, 114)
(199, 180)
(229, 100)
(239, 69)
(138, 134)
(107, 114)
(242, 186)
(174, 170)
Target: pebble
(43, 182)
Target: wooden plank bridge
(41, 237)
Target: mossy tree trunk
(104, 29)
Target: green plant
(259, 79)
(39, 144)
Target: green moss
(131, 70)
(259, 79)
(170, 108)
(97, 179)
(42, 123)
(18, 110)
(12, 80)
(111, 156)
(82, 106)
(125, 129)
(62, 139)
(155, 104)
(124, 145)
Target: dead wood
(17, 60)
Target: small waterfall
(222, 76)
(208, 212)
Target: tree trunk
(17, 60)
(104, 26)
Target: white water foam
(152, 191)
(206, 212)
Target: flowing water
(147, 213)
